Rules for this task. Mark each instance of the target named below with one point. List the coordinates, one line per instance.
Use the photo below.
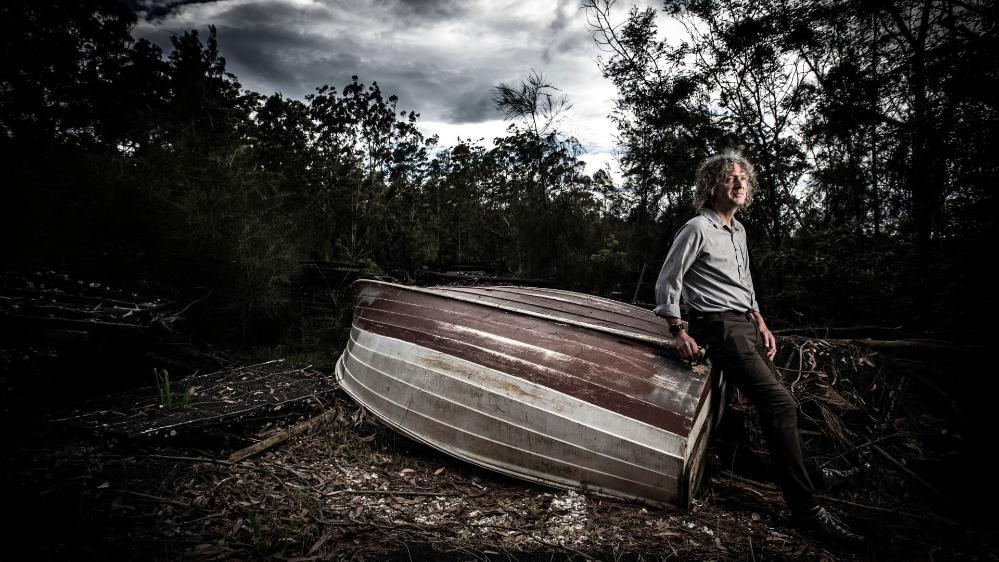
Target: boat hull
(568, 403)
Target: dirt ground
(351, 489)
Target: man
(708, 265)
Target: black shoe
(825, 525)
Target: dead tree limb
(273, 440)
(934, 519)
(895, 462)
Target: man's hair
(711, 174)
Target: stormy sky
(441, 57)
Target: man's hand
(769, 340)
(685, 346)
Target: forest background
(873, 126)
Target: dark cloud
(293, 63)
(280, 60)
(473, 106)
(273, 14)
(266, 49)
(153, 10)
(405, 11)
(425, 9)
(446, 95)
(440, 57)
(563, 39)
(562, 18)
(276, 46)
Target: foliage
(169, 398)
(159, 165)
(867, 128)
(872, 125)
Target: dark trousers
(734, 343)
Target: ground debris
(349, 488)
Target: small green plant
(167, 399)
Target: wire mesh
(203, 400)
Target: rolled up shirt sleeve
(682, 254)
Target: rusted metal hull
(555, 387)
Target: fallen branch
(273, 440)
(912, 345)
(831, 330)
(915, 476)
(857, 448)
(892, 511)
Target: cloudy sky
(441, 57)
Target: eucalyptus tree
(463, 215)
(664, 121)
(665, 127)
(367, 155)
(536, 108)
(538, 164)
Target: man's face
(733, 190)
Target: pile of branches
(58, 300)
(876, 418)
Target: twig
(159, 499)
(523, 532)
(189, 459)
(466, 494)
(811, 331)
(200, 519)
(922, 345)
(744, 480)
(385, 493)
(800, 366)
(858, 447)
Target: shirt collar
(712, 216)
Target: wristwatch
(675, 329)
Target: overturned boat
(555, 387)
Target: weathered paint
(591, 402)
(552, 439)
(588, 310)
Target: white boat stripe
(576, 450)
(613, 424)
(516, 471)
